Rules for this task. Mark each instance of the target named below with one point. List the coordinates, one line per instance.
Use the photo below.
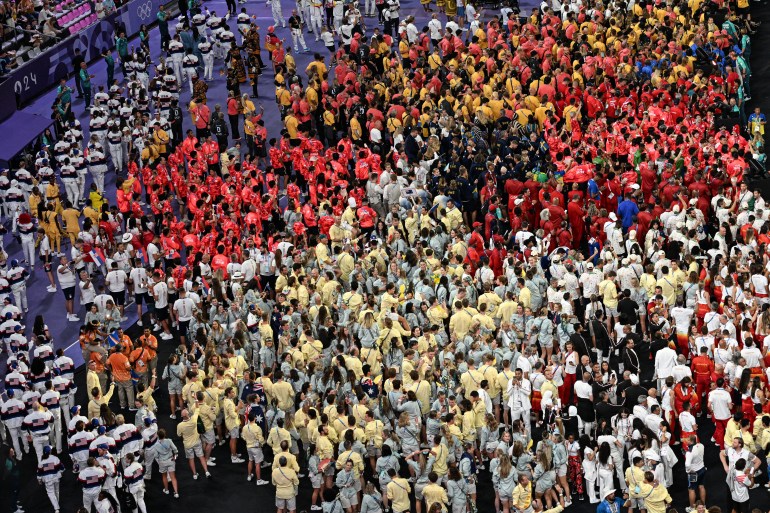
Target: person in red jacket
(702, 368)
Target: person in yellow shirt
(434, 493)
(398, 492)
(252, 435)
(208, 415)
(283, 392)
(286, 482)
(374, 439)
(325, 451)
(232, 422)
(71, 220)
(187, 430)
(655, 495)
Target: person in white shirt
(752, 354)
(160, 294)
(116, 281)
(720, 405)
(665, 359)
(87, 291)
(138, 279)
(67, 280)
(519, 392)
(184, 309)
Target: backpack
(199, 426)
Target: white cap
(613, 216)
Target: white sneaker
(249, 478)
(139, 322)
(165, 490)
(156, 327)
(237, 460)
(261, 482)
(208, 475)
(50, 289)
(195, 476)
(211, 463)
(74, 318)
(315, 507)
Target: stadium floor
(228, 489)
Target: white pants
(72, 190)
(139, 496)
(116, 154)
(300, 10)
(524, 415)
(15, 433)
(590, 485)
(56, 433)
(296, 35)
(208, 66)
(176, 64)
(97, 172)
(38, 442)
(89, 497)
(81, 185)
(149, 459)
(189, 72)
(52, 489)
(20, 297)
(316, 21)
(28, 248)
(277, 11)
(370, 7)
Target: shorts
(418, 488)
(329, 470)
(162, 313)
(289, 504)
(184, 327)
(166, 466)
(561, 470)
(175, 389)
(196, 451)
(348, 501)
(496, 401)
(505, 496)
(373, 451)
(69, 293)
(611, 311)
(235, 433)
(461, 12)
(316, 480)
(208, 437)
(140, 297)
(693, 485)
(119, 297)
(255, 454)
(471, 487)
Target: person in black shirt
(627, 308)
(77, 60)
(605, 410)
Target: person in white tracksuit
(69, 177)
(316, 17)
(115, 146)
(27, 233)
(277, 11)
(13, 411)
(97, 165)
(208, 58)
(176, 50)
(190, 65)
(49, 472)
(82, 170)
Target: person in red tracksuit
(702, 367)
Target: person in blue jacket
(610, 504)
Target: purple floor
(50, 305)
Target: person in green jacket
(110, 61)
(121, 45)
(85, 83)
